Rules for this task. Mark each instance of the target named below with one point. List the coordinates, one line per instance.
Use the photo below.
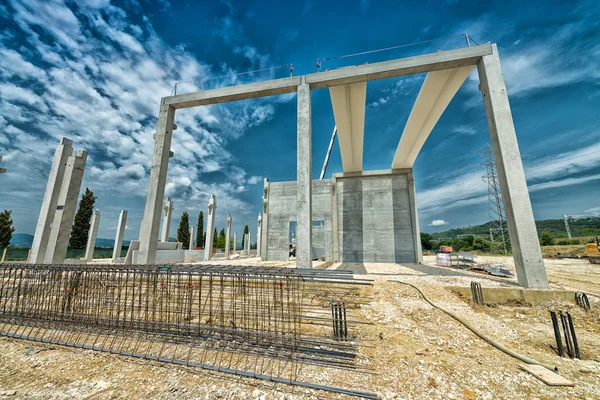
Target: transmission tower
(498, 231)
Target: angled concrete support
(210, 227)
(531, 272)
(192, 236)
(46, 218)
(93, 233)
(436, 93)
(304, 180)
(265, 221)
(65, 209)
(228, 236)
(156, 185)
(258, 235)
(166, 225)
(348, 103)
(119, 237)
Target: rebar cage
(269, 323)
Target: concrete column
(247, 244)
(304, 180)
(258, 235)
(412, 199)
(192, 235)
(156, 185)
(210, 227)
(234, 242)
(119, 238)
(65, 209)
(335, 239)
(46, 218)
(265, 222)
(166, 227)
(93, 233)
(227, 235)
(531, 272)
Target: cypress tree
(81, 225)
(200, 231)
(215, 239)
(6, 228)
(244, 235)
(183, 231)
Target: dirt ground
(416, 351)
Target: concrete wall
(370, 213)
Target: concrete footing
(503, 295)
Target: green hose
(481, 335)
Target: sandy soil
(424, 354)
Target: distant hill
(25, 240)
(556, 227)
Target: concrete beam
(93, 233)
(529, 264)
(233, 93)
(401, 67)
(210, 227)
(304, 180)
(436, 93)
(349, 111)
(119, 238)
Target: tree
(426, 239)
(200, 231)
(215, 239)
(6, 228)
(244, 235)
(546, 239)
(183, 231)
(81, 225)
(204, 239)
(221, 239)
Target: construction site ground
(415, 350)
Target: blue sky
(95, 70)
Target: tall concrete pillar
(247, 244)
(265, 222)
(258, 235)
(46, 218)
(119, 238)
(234, 242)
(227, 235)
(192, 235)
(531, 272)
(210, 227)
(156, 185)
(93, 233)
(166, 227)
(412, 199)
(65, 209)
(304, 180)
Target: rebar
(270, 323)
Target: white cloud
(438, 222)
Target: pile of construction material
(446, 257)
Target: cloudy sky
(95, 70)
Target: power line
(498, 231)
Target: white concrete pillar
(265, 222)
(156, 185)
(258, 235)
(227, 235)
(531, 272)
(304, 180)
(210, 227)
(412, 199)
(46, 218)
(166, 227)
(192, 234)
(65, 209)
(92, 234)
(119, 238)
(247, 244)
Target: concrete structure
(446, 72)
(92, 234)
(258, 235)
(62, 224)
(2, 171)
(166, 226)
(46, 218)
(119, 237)
(228, 236)
(192, 235)
(210, 227)
(265, 221)
(167, 252)
(247, 244)
(234, 242)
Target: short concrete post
(234, 242)
(166, 227)
(46, 218)
(192, 235)
(247, 244)
(304, 180)
(227, 236)
(119, 238)
(156, 185)
(93, 233)
(210, 227)
(529, 264)
(65, 209)
(265, 221)
(258, 235)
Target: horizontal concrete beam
(379, 172)
(233, 93)
(436, 93)
(403, 66)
